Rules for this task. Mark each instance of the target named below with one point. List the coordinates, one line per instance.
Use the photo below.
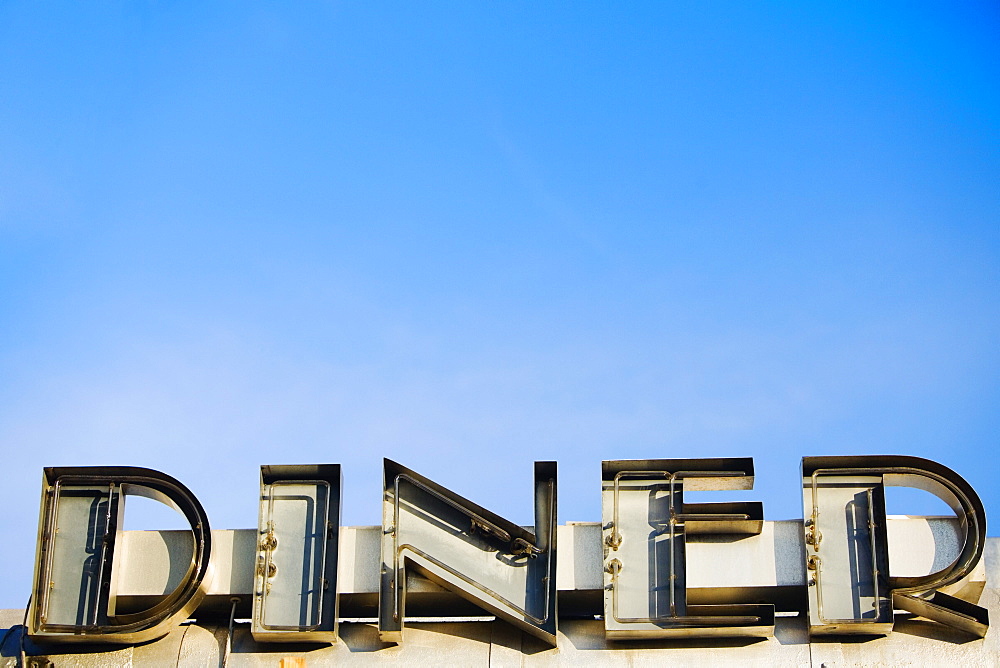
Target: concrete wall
(494, 643)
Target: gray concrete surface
(762, 562)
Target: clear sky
(467, 236)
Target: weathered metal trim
(511, 539)
(124, 628)
(740, 518)
(915, 592)
(329, 478)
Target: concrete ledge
(768, 567)
(581, 642)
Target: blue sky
(472, 235)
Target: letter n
(503, 568)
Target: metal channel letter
(506, 569)
(645, 528)
(295, 583)
(73, 596)
(850, 586)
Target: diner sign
(503, 568)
